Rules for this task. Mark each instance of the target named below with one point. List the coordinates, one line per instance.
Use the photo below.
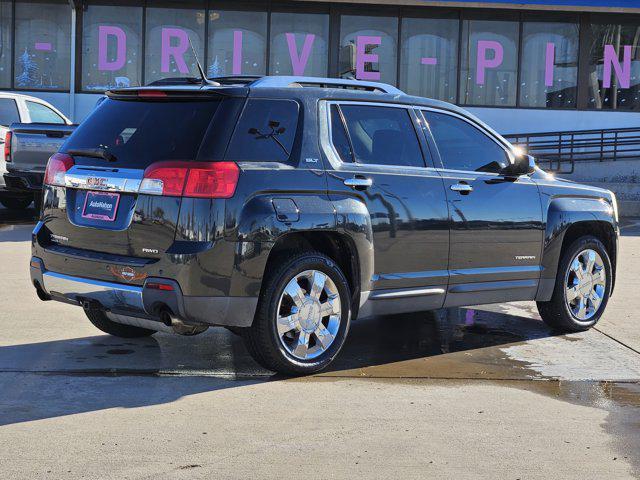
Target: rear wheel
(303, 316)
(16, 203)
(100, 320)
(582, 289)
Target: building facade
(530, 65)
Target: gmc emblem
(97, 182)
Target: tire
(99, 320)
(282, 352)
(20, 203)
(566, 315)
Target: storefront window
(429, 66)
(549, 76)
(368, 48)
(42, 46)
(111, 47)
(488, 74)
(237, 43)
(168, 53)
(614, 67)
(5, 44)
(299, 44)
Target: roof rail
(291, 81)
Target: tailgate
(99, 208)
(33, 143)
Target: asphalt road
(486, 392)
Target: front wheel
(303, 316)
(582, 289)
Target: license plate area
(101, 206)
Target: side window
(266, 131)
(382, 135)
(42, 114)
(339, 137)
(464, 147)
(8, 111)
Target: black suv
(284, 207)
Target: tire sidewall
(328, 267)
(579, 245)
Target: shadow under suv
(283, 208)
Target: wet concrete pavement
(457, 393)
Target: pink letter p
(483, 62)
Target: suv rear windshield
(139, 133)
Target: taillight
(57, 166)
(7, 147)
(191, 179)
(164, 178)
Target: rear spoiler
(173, 92)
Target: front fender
(562, 213)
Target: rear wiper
(94, 153)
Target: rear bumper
(143, 301)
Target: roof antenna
(203, 77)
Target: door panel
(406, 204)
(496, 221)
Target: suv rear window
(139, 133)
(266, 132)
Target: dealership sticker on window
(101, 206)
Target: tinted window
(463, 146)
(382, 135)
(8, 112)
(339, 136)
(139, 133)
(42, 114)
(265, 132)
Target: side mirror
(523, 165)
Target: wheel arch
(568, 219)
(338, 246)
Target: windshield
(139, 133)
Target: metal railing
(558, 151)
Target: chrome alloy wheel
(585, 284)
(309, 314)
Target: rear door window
(382, 135)
(139, 133)
(8, 112)
(266, 131)
(42, 114)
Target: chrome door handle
(358, 183)
(462, 188)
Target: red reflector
(7, 147)
(35, 264)
(152, 94)
(57, 166)
(191, 179)
(213, 180)
(159, 286)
